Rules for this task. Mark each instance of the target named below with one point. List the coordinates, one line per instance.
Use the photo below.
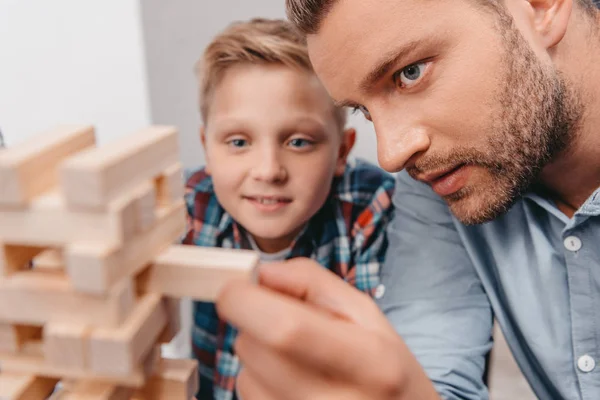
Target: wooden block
(145, 205)
(92, 390)
(94, 268)
(119, 351)
(48, 223)
(173, 308)
(30, 168)
(170, 185)
(13, 337)
(93, 178)
(174, 379)
(66, 345)
(32, 362)
(43, 296)
(51, 259)
(197, 272)
(25, 387)
(16, 258)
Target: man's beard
(535, 120)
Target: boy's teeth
(267, 201)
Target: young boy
(277, 179)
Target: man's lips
(447, 181)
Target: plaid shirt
(347, 235)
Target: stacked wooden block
(89, 272)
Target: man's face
(457, 95)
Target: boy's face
(272, 147)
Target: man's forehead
(354, 34)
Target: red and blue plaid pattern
(347, 236)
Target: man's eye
(300, 143)
(410, 75)
(238, 142)
(363, 110)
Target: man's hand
(306, 334)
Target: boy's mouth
(269, 199)
(269, 203)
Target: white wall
(175, 34)
(71, 61)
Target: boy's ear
(346, 145)
(203, 140)
(550, 19)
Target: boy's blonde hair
(258, 41)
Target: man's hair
(259, 42)
(307, 15)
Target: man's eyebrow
(344, 103)
(386, 63)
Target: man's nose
(399, 144)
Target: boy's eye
(410, 75)
(300, 143)
(363, 110)
(238, 142)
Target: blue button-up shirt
(534, 269)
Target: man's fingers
(293, 329)
(306, 280)
(249, 388)
(274, 374)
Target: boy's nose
(268, 168)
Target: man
(492, 109)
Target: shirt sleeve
(370, 239)
(433, 296)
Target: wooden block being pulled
(25, 387)
(174, 379)
(170, 185)
(30, 168)
(66, 345)
(118, 351)
(37, 297)
(93, 178)
(13, 337)
(15, 258)
(94, 268)
(197, 272)
(32, 362)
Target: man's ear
(346, 145)
(203, 140)
(550, 19)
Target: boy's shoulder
(361, 182)
(202, 203)
(199, 181)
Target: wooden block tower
(90, 272)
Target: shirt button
(586, 363)
(572, 243)
(379, 291)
